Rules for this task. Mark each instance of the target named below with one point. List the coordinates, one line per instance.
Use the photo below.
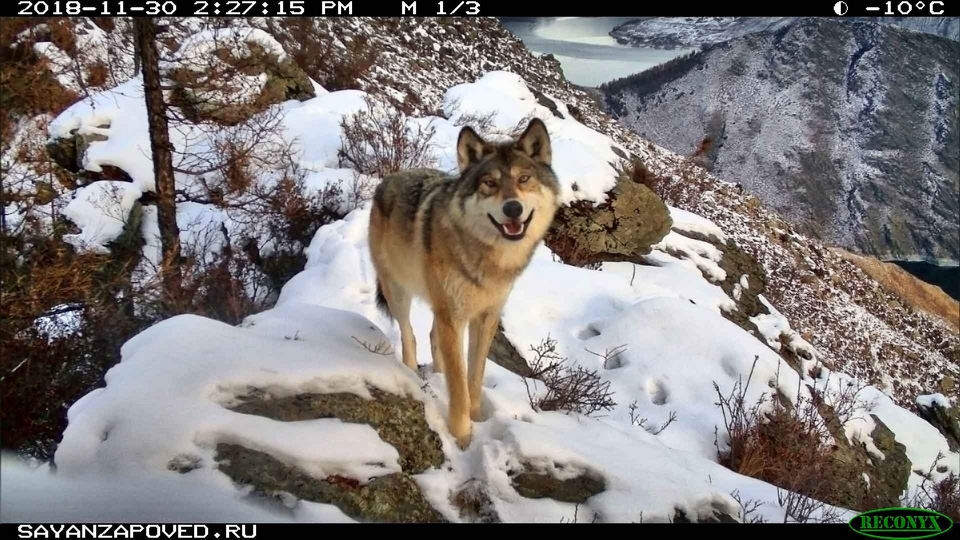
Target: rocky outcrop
(394, 498)
(234, 101)
(68, 152)
(623, 228)
(503, 353)
(740, 268)
(398, 420)
(945, 419)
(539, 485)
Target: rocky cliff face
(669, 32)
(847, 129)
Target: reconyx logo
(901, 523)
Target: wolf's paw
(463, 441)
(463, 432)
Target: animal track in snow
(658, 392)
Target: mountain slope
(827, 124)
(697, 31)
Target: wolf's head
(508, 191)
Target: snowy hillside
(823, 123)
(663, 32)
(305, 410)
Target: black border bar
(476, 8)
(219, 531)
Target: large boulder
(623, 228)
(68, 152)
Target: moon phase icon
(840, 8)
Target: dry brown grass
(910, 290)
(792, 446)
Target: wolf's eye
(524, 179)
(490, 184)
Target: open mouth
(513, 229)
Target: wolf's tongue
(513, 227)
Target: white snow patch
(120, 115)
(100, 210)
(690, 222)
(581, 157)
(203, 45)
(36, 495)
(927, 401)
(703, 254)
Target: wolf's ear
(470, 148)
(535, 142)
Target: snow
(168, 396)
(314, 125)
(581, 156)
(64, 320)
(100, 210)
(660, 325)
(690, 222)
(120, 115)
(36, 495)
(204, 44)
(929, 400)
(704, 255)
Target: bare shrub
(482, 123)
(574, 389)
(748, 509)
(379, 141)
(801, 509)
(639, 421)
(63, 318)
(938, 495)
(313, 51)
(610, 358)
(792, 446)
(383, 348)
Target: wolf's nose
(512, 209)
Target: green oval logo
(901, 523)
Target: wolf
(459, 242)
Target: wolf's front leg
(435, 349)
(450, 342)
(482, 329)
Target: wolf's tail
(382, 301)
